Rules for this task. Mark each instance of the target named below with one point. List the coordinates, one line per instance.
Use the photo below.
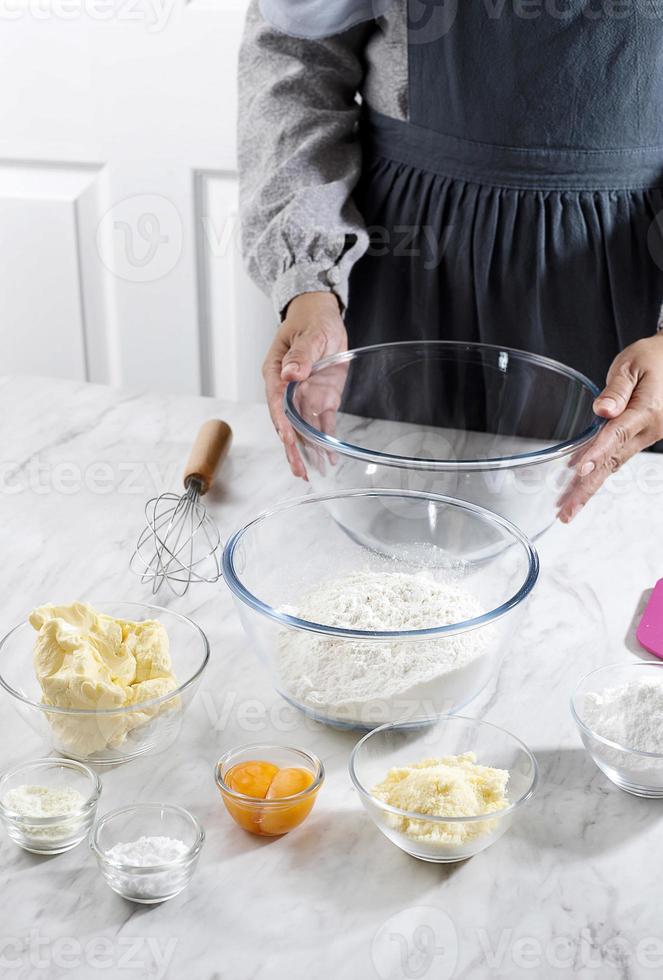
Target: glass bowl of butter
(446, 791)
(103, 683)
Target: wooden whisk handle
(208, 452)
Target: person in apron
(499, 179)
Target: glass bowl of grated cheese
(445, 792)
(379, 606)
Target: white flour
(631, 715)
(371, 681)
(43, 801)
(46, 801)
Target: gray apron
(518, 205)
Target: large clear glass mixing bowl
(494, 426)
(335, 669)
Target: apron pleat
(566, 274)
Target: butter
(84, 659)
(452, 786)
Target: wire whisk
(180, 542)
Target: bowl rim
(123, 709)
(334, 445)
(222, 786)
(192, 852)
(237, 588)
(433, 818)
(584, 727)
(52, 762)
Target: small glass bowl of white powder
(619, 713)
(48, 805)
(147, 852)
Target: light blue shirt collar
(320, 18)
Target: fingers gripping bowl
(106, 734)
(490, 425)
(320, 581)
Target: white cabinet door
(119, 244)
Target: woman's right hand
(312, 329)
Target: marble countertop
(571, 890)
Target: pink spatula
(650, 630)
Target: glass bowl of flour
(370, 607)
(618, 709)
(48, 805)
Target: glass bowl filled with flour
(48, 805)
(618, 709)
(379, 606)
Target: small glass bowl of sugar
(147, 852)
(618, 709)
(48, 805)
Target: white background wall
(119, 245)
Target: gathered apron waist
(506, 166)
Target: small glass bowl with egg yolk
(269, 789)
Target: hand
(312, 329)
(633, 402)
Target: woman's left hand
(633, 402)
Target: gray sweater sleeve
(299, 159)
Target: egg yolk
(288, 782)
(251, 778)
(265, 781)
